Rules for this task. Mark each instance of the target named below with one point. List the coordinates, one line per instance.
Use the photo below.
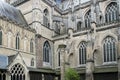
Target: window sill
(57, 68)
(82, 65)
(46, 64)
(109, 63)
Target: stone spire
(71, 15)
(80, 8)
(98, 13)
(93, 14)
(91, 41)
(35, 14)
(72, 11)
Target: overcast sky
(1, 0)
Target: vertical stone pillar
(39, 58)
(35, 15)
(91, 41)
(90, 52)
(52, 26)
(62, 58)
(42, 76)
(27, 75)
(89, 62)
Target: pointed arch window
(109, 49)
(88, 20)
(111, 13)
(2, 75)
(57, 26)
(17, 72)
(0, 37)
(46, 18)
(32, 62)
(58, 58)
(17, 42)
(79, 26)
(31, 46)
(9, 41)
(46, 52)
(82, 53)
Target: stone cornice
(84, 32)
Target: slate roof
(3, 62)
(12, 14)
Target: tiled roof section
(3, 61)
(12, 14)
(18, 2)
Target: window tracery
(82, 53)
(17, 72)
(111, 13)
(109, 50)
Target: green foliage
(71, 74)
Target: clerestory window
(111, 13)
(88, 20)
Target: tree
(71, 74)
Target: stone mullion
(90, 46)
(62, 58)
(118, 60)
